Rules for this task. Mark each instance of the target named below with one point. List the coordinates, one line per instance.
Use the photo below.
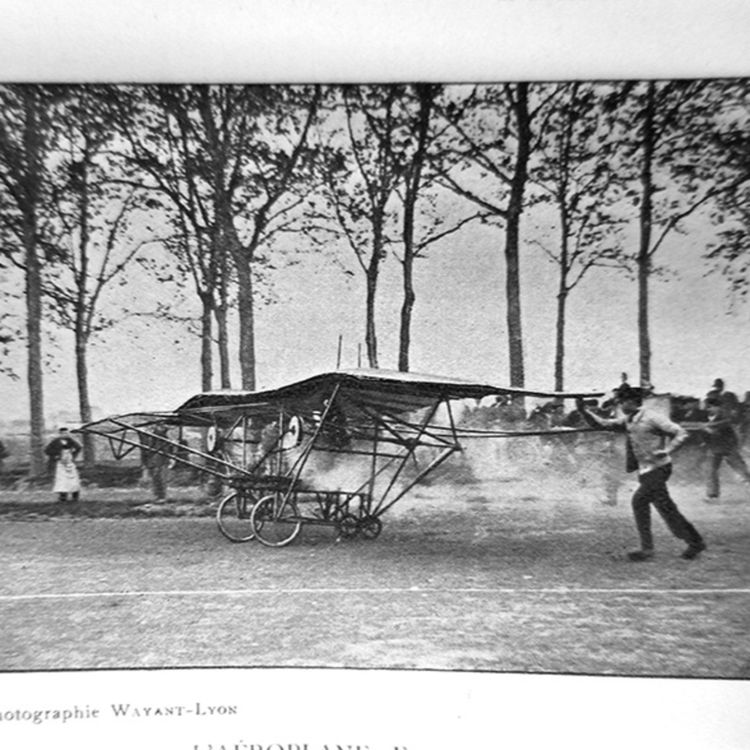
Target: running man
(723, 445)
(652, 438)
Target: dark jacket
(56, 446)
(721, 437)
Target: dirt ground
(503, 575)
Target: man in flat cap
(652, 438)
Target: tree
(91, 228)
(574, 173)
(276, 184)
(25, 125)
(166, 155)
(425, 94)
(231, 162)
(362, 172)
(423, 220)
(670, 167)
(494, 139)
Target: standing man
(723, 443)
(652, 438)
(729, 402)
(62, 452)
(155, 459)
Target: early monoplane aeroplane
(336, 449)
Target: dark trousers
(652, 490)
(735, 460)
(157, 470)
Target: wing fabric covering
(381, 390)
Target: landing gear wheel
(370, 527)
(348, 526)
(271, 529)
(233, 516)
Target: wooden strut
(306, 451)
(374, 465)
(398, 437)
(409, 445)
(113, 446)
(381, 506)
(123, 439)
(406, 442)
(422, 474)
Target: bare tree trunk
(221, 323)
(246, 311)
(562, 299)
(81, 343)
(373, 270)
(407, 306)
(206, 341)
(84, 399)
(564, 260)
(34, 339)
(81, 334)
(245, 307)
(33, 283)
(512, 232)
(223, 334)
(644, 248)
(219, 235)
(371, 341)
(562, 293)
(413, 184)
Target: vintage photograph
(415, 376)
(374, 375)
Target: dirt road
(498, 577)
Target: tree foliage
(729, 254)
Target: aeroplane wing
(396, 392)
(379, 390)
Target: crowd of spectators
(718, 425)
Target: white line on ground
(317, 591)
